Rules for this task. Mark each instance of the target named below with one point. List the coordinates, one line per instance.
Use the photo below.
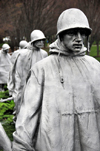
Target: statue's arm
(44, 53)
(8, 99)
(28, 116)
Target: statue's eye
(72, 33)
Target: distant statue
(5, 65)
(22, 45)
(28, 56)
(60, 108)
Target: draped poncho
(5, 66)
(61, 104)
(20, 69)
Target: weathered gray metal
(37, 35)
(5, 64)
(5, 100)
(61, 103)
(21, 67)
(71, 19)
(5, 47)
(23, 44)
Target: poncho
(61, 104)
(5, 66)
(20, 69)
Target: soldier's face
(73, 39)
(6, 51)
(39, 44)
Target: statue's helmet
(37, 35)
(72, 18)
(23, 44)
(5, 46)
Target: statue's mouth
(77, 46)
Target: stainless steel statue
(11, 80)
(22, 65)
(5, 65)
(61, 102)
(22, 45)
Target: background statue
(22, 45)
(5, 65)
(61, 103)
(23, 63)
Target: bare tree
(23, 16)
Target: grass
(9, 128)
(93, 52)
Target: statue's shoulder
(24, 52)
(44, 52)
(92, 61)
(44, 63)
(8, 55)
